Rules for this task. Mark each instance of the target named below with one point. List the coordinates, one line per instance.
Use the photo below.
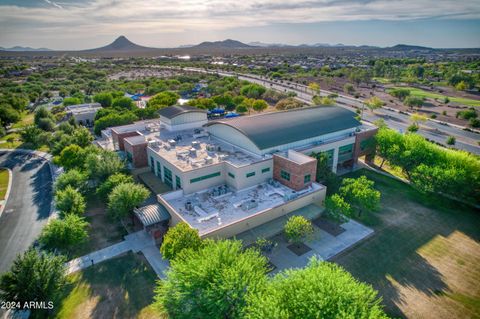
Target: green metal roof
(278, 128)
(172, 111)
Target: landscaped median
(5, 184)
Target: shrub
(297, 229)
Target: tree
(412, 101)
(70, 157)
(225, 277)
(298, 228)
(320, 290)
(34, 276)
(46, 124)
(101, 165)
(179, 238)
(348, 88)
(259, 105)
(73, 178)
(124, 198)
(164, 99)
(8, 114)
(64, 233)
(31, 134)
(288, 103)
(253, 91)
(203, 103)
(325, 101)
(123, 102)
(400, 93)
(41, 113)
(71, 101)
(314, 87)
(337, 208)
(461, 86)
(69, 201)
(113, 119)
(242, 108)
(112, 181)
(104, 98)
(374, 103)
(360, 194)
(82, 137)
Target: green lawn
(27, 119)
(4, 176)
(431, 95)
(118, 288)
(424, 257)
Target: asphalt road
(439, 133)
(28, 206)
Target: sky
(85, 24)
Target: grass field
(431, 95)
(118, 288)
(4, 177)
(424, 257)
(27, 119)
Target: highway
(431, 130)
(28, 206)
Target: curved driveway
(28, 206)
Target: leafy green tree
(400, 93)
(123, 102)
(242, 108)
(82, 137)
(34, 276)
(164, 99)
(71, 101)
(31, 134)
(253, 91)
(70, 157)
(112, 181)
(360, 194)
(348, 88)
(124, 198)
(259, 105)
(288, 103)
(314, 87)
(412, 101)
(99, 166)
(461, 86)
(320, 290)
(73, 178)
(104, 98)
(374, 103)
(337, 208)
(114, 119)
(203, 103)
(8, 114)
(226, 276)
(69, 201)
(179, 238)
(64, 233)
(298, 228)
(46, 124)
(66, 128)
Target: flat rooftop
(192, 149)
(83, 108)
(220, 206)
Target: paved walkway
(323, 245)
(137, 242)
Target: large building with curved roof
(230, 175)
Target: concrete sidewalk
(137, 242)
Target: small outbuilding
(154, 219)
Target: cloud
(113, 17)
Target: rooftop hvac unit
(210, 148)
(208, 160)
(189, 206)
(153, 143)
(193, 152)
(172, 143)
(196, 145)
(249, 204)
(223, 157)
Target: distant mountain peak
(228, 43)
(121, 44)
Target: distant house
(84, 114)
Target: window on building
(306, 179)
(159, 170)
(231, 175)
(285, 175)
(152, 164)
(250, 174)
(168, 176)
(178, 181)
(345, 153)
(266, 170)
(201, 178)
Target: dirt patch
(299, 249)
(330, 227)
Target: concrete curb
(9, 187)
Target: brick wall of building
(369, 151)
(139, 154)
(297, 172)
(119, 138)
